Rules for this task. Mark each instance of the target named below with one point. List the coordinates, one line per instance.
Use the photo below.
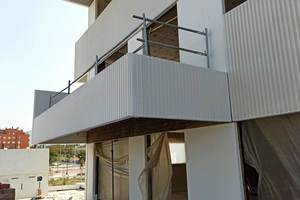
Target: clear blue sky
(37, 44)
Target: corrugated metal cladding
(138, 86)
(170, 90)
(263, 38)
(103, 99)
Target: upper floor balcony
(128, 94)
(171, 95)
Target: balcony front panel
(263, 38)
(113, 25)
(170, 90)
(103, 99)
(138, 86)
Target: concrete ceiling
(81, 2)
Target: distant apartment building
(12, 138)
(183, 99)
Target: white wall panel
(111, 27)
(213, 163)
(90, 171)
(138, 86)
(133, 44)
(263, 38)
(42, 101)
(137, 162)
(22, 167)
(198, 15)
(92, 13)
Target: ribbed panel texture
(103, 99)
(138, 86)
(170, 90)
(263, 39)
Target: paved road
(61, 171)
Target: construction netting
(159, 167)
(272, 147)
(106, 188)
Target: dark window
(101, 5)
(230, 4)
(112, 58)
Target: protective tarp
(120, 154)
(272, 147)
(160, 167)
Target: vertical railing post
(96, 65)
(69, 86)
(207, 47)
(50, 100)
(145, 36)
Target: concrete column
(90, 171)
(213, 163)
(136, 165)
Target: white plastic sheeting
(160, 167)
(272, 147)
(121, 184)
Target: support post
(96, 65)
(207, 47)
(50, 100)
(112, 171)
(145, 36)
(69, 86)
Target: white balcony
(136, 87)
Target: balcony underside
(136, 95)
(129, 128)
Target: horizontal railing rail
(95, 64)
(148, 42)
(173, 47)
(170, 25)
(145, 47)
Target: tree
(54, 154)
(53, 157)
(68, 153)
(80, 154)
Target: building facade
(12, 138)
(183, 99)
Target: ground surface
(65, 195)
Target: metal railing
(145, 47)
(148, 42)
